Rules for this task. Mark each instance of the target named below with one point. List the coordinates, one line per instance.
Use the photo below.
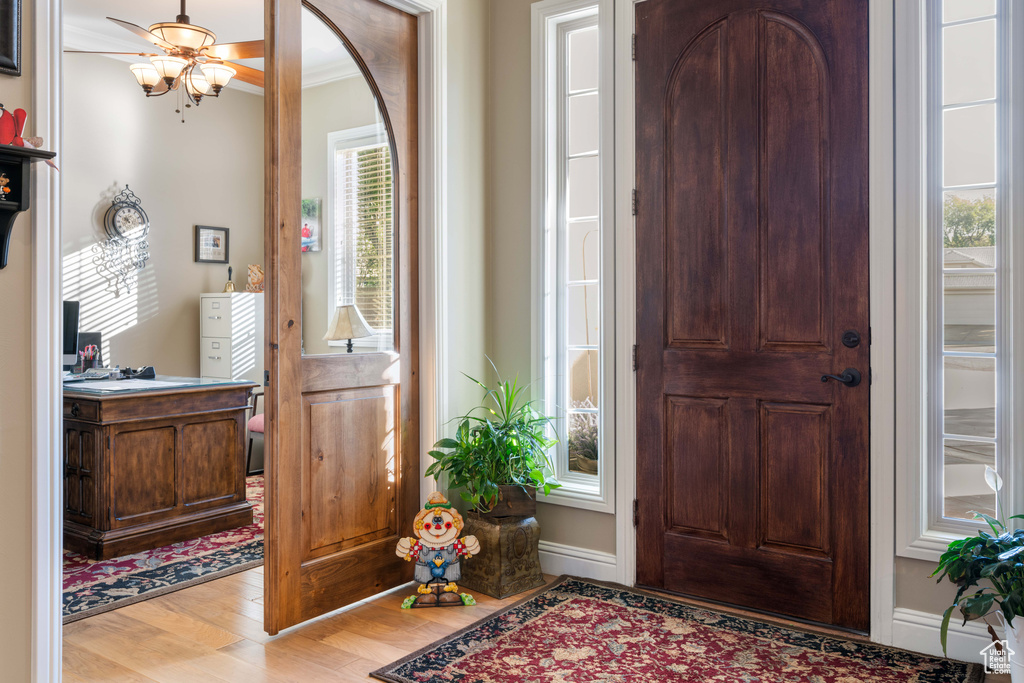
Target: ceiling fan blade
(144, 34)
(251, 49)
(100, 52)
(247, 74)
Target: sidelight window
(958, 142)
(966, 194)
(572, 247)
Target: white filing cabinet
(231, 336)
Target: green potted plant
(497, 460)
(988, 569)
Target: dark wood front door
(342, 433)
(752, 248)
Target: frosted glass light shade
(168, 67)
(217, 74)
(146, 74)
(184, 35)
(196, 83)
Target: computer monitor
(70, 357)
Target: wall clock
(124, 253)
(125, 217)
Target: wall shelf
(16, 163)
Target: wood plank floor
(214, 632)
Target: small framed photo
(311, 224)
(211, 244)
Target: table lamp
(348, 323)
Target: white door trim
(882, 276)
(47, 515)
(625, 295)
(882, 236)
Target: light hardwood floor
(214, 632)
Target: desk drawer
(79, 409)
(215, 357)
(215, 316)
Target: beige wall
(914, 590)
(325, 109)
(468, 279)
(206, 171)
(509, 275)
(16, 412)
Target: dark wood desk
(147, 467)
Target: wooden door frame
(47, 101)
(882, 285)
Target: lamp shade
(196, 83)
(168, 67)
(146, 74)
(184, 35)
(217, 74)
(348, 323)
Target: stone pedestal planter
(508, 562)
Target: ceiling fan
(190, 57)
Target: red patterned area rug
(580, 631)
(92, 587)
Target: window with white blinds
(362, 221)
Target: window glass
(970, 357)
(959, 10)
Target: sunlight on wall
(243, 335)
(101, 310)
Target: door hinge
(266, 378)
(636, 512)
(634, 47)
(871, 377)
(636, 363)
(634, 202)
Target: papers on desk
(125, 384)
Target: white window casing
(931, 294)
(564, 295)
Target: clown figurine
(437, 553)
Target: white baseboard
(558, 559)
(919, 632)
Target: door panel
(698, 273)
(752, 262)
(352, 443)
(696, 461)
(342, 428)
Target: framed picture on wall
(211, 244)
(311, 224)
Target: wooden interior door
(342, 430)
(752, 252)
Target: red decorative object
(578, 630)
(20, 117)
(8, 127)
